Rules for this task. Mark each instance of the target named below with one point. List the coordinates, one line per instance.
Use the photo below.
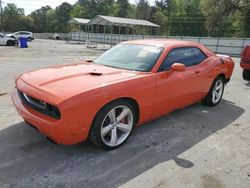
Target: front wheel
(113, 124)
(215, 93)
(30, 39)
(246, 74)
(10, 43)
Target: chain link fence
(227, 46)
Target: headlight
(40, 106)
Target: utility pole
(1, 14)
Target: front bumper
(65, 131)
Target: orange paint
(79, 95)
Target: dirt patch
(210, 181)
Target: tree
(39, 17)
(162, 20)
(123, 8)
(78, 11)
(97, 7)
(62, 16)
(143, 10)
(14, 18)
(50, 21)
(227, 17)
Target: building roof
(117, 21)
(79, 21)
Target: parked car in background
(56, 36)
(7, 41)
(128, 85)
(26, 34)
(245, 63)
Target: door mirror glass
(178, 67)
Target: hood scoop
(93, 72)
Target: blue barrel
(23, 42)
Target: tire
(30, 39)
(214, 95)
(246, 74)
(113, 125)
(10, 43)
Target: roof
(162, 42)
(109, 20)
(79, 21)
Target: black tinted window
(179, 55)
(187, 56)
(199, 56)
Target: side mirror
(178, 67)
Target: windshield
(130, 57)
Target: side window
(185, 56)
(199, 56)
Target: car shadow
(247, 84)
(30, 160)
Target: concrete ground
(196, 147)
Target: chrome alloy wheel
(217, 91)
(117, 126)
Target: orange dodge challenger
(130, 84)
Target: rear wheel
(215, 93)
(113, 124)
(246, 74)
(30, 39)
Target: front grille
(40, 106)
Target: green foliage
(97, 7)
(123, 8)
(229, 18)
(50, 21)
(62, 16)
(77, 11)
(143, 10)
(14, 17)
(39, 17)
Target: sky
(31, 5)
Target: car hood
(9, 38)
(69, 80)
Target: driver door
(174, 89)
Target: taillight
(245, 55)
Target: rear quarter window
(199, 56)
